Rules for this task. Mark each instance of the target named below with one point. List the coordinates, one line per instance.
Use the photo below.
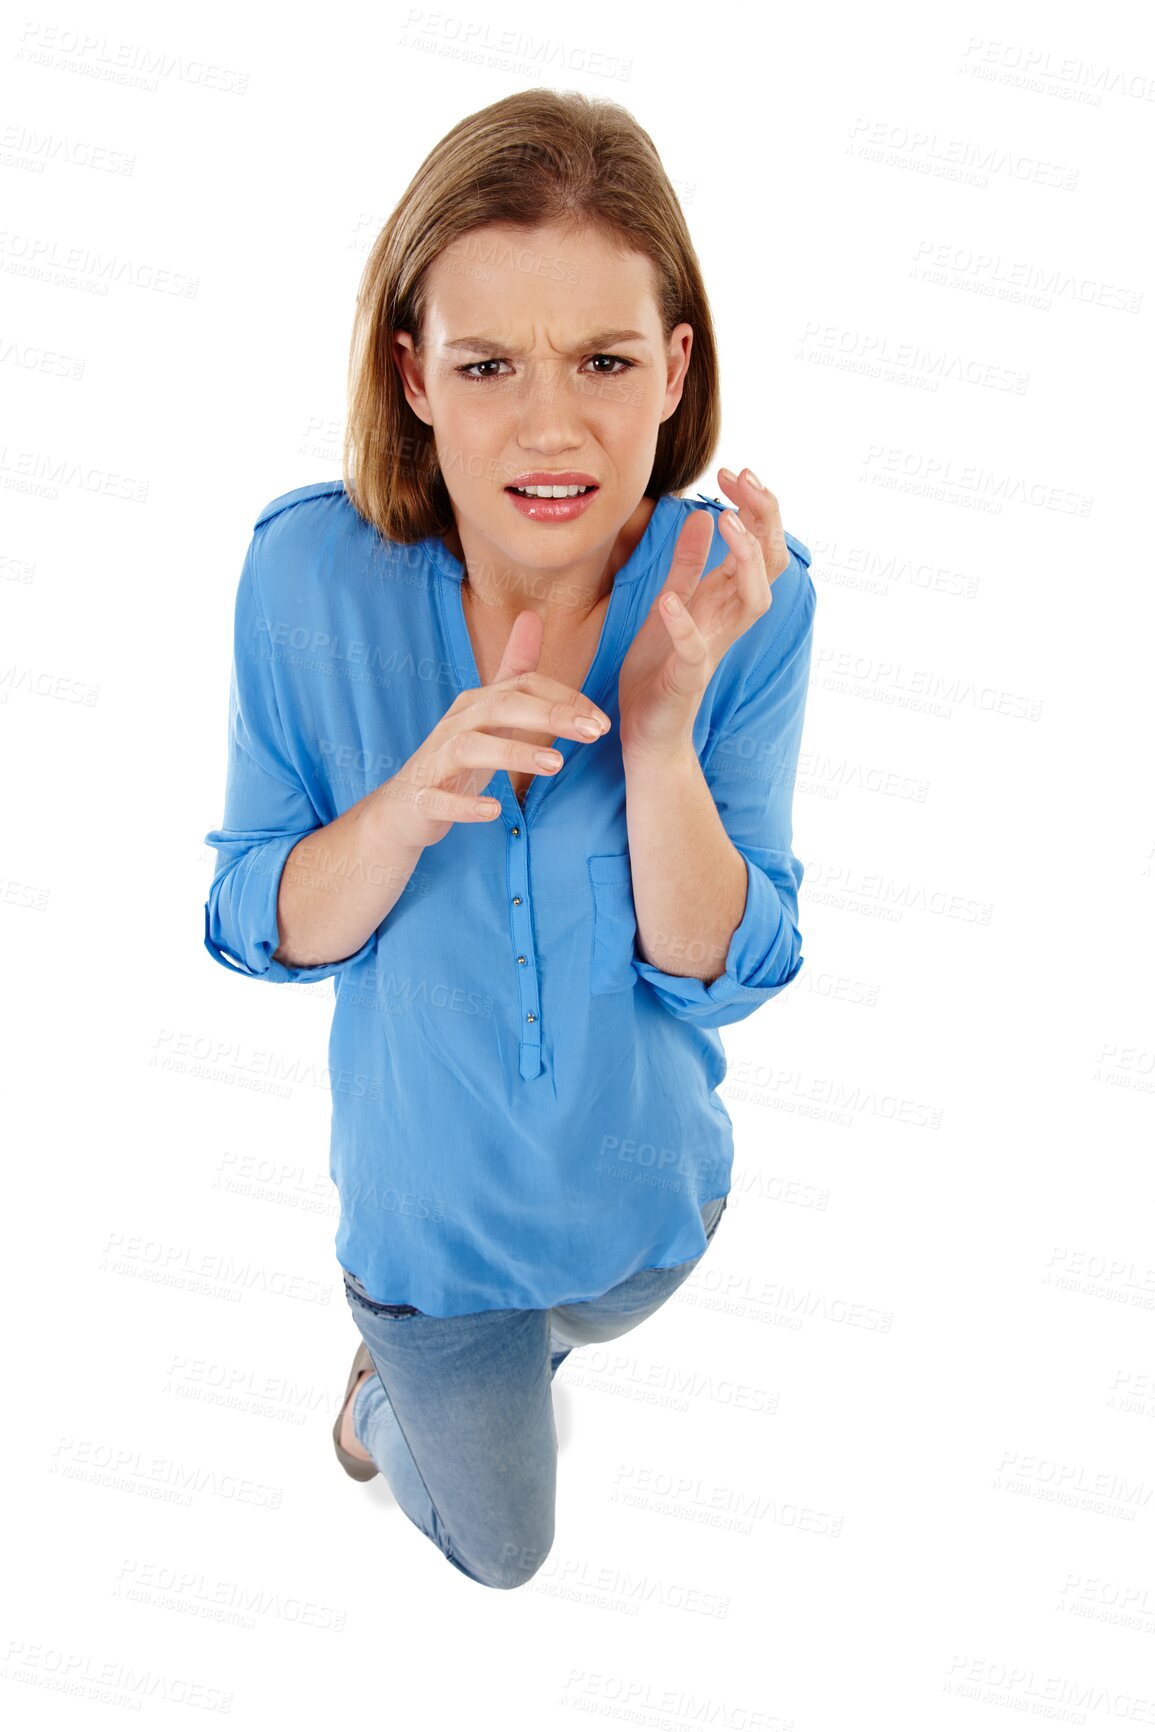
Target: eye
(621, 361)
(468, 371)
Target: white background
(898, 1429)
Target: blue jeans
(459, 1418)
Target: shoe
(354, 1467)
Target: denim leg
(623, 1307)
(459, 1419)
(559, 1351)
(376, 1429)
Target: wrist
(670, 758)
(390, 818)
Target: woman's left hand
(659, 687)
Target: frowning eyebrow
(494, 346)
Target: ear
(412, 376)
(677, 366)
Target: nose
(549, 412)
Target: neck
(573, 594)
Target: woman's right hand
(438, 786)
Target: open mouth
(551, 492)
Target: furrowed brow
(494, 345)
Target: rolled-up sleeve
(267, 812)
(750, 766)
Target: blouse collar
(644, 556)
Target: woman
(527, 1142)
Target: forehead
(503, 278)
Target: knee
(516, 1565)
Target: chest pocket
(614, 923)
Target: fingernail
(754, 481)
(591, 730)
(735, 521)
(728, 474)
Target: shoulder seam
(798, 547)
(282, 737)
(717, 506)
(805, 590)
(284, 501)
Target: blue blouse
(524, 1112)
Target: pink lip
(551, 510)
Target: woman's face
(525, 368)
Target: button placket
(521, 927)
(464, 663)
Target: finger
(748, 491)
(474, 750)
(750, 571)
(760, 512)
(689, 556)
(689, 644)
(570, 714)
(534, 686)
(460, 808)
(512, 705)
(542, 685)
(436, 804)
(522, 650)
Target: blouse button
(515, 831)
(531, 1017)
(521, 959)
(516, 901)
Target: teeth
(551, 492)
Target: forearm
(689, 880)
(339, 883)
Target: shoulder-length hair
(535, 158)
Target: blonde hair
(535, 158)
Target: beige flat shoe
(353, 1465)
